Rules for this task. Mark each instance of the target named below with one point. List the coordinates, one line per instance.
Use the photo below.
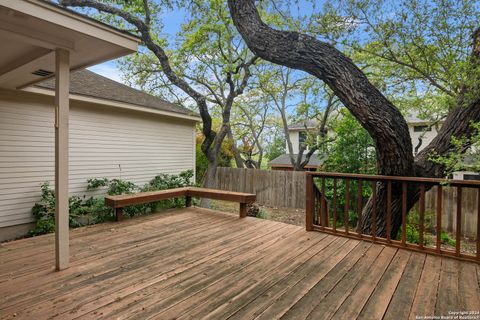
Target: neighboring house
(422, 132)
(115, 132)
(298, 134)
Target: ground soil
(286, 215)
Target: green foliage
(276, 147)
(92, 210)
(201, 163)
(351, 150)
(454, 160)
(118, 186)
(412, 234)
(261, 214)
(44, 211)
(417, 52)
(167, 181)
(445, 239)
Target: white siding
(426, 139)
(294, 138)
(104, 142)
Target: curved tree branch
(376, 113)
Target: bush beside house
(92, 210)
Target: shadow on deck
(193, 263)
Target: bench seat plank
(144, 197)
(221, 195)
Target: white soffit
(30, 31)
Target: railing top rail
(466, 183)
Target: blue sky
(172, 21)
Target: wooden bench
(124, 200)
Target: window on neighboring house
(471, 177)
(302, 138)
(421, 128)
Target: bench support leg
(188, 201)
(119, 214)
(243, 210)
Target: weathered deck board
(194, 263)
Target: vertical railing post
(359, 206)
(439, 217)
(323, 206)
(404, 213)
(345, 214)
(316, 204)
(335, 205)
(389, 210)
(478, 225)
(421, 220)
(374, 211)
(309, 202)
(458, 230)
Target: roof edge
(77, 15)
(116, 104)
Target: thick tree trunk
(209, 182)
(236, 152)
(381, 209)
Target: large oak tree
(377, 114)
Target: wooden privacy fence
(469, 209)
(273, 188)
(336, 201)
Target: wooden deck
(194, 263)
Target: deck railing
(335, 203)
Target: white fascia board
(56, 15)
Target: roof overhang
(31, 31)
(117, 104)
(289, 165)
(301, 129)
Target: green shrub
(261, 214)
(92, 210)
(445, 239)
(412, 235)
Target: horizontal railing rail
(337, 202)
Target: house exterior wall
(294, 138)
(104, 142)
(295, 143)
(427, 137)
